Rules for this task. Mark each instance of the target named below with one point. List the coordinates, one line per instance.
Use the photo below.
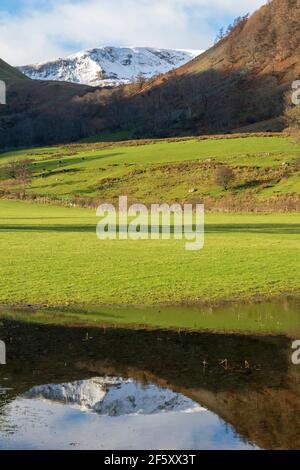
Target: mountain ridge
(110, 66)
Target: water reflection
(122, 389)
(43, 424)
(114, 396)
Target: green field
(161, 171)
(50, 256)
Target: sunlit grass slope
(160, 171)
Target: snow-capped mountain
(110, 66)
(113, 396)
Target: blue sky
(36, 30)
(17, 6)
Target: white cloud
(36, 35)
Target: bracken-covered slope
(239, 82)
(267, 43)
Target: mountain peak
(110, 66)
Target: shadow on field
(61, 163)
(271, 229)
(254, 228)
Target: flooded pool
(111, 413)
(115, 388)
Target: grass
(7, 72)
(160, 171)
(50, 256)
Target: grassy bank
(50, 256)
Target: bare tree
(140, 81)
(24, 174)
(224, 176)
(12, 169)
(220, 35)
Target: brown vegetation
(242, 80)
(224, 176)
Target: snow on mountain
(110, 66)
(115, 397)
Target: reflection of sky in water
(42, 424)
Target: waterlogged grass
(107, 170)
(260, 318)
(50, 256)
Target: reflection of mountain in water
(261, 401)
(115, 396)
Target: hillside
(265, 169)
(40, 112)
(110, 66)
(266, 43)
(9, 73)
(241, 81)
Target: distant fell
(9, 73)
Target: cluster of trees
(237, 24)
(40, 113)
(208, 101)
